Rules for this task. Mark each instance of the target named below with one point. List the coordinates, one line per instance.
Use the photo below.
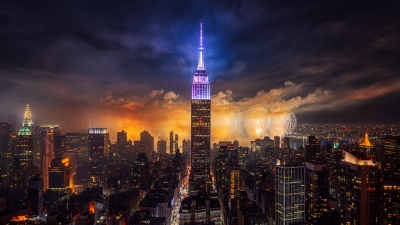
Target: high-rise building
(277, 141)
(5, 151)
(171, 142)
(162, 147)
(391, 200)
(391, 162)
(234, 182)
(186, 148)
(60, 175)
(316, 193)
(124, 148)
(360, 195)
(77, 142)
(98, 152)
(289, 194)
(313, 150)
(17, 174)
(200, 126)
(35, 196)
(176, 142)
(24, 146)
(286, 142)
(48, 155)
(147, 142)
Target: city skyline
(112, 65)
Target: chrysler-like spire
(200, 66)
(27, 117)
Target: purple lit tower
(200, 127)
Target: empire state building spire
(201, 87)
(200, 65)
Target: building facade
(200, 127)
(360, 200)
(289, 194)
(98, 152)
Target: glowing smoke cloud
(244, 120)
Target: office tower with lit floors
(5, 151)
(98, 151)
(200, 127)
(201, 206)
(289, 194)
(360, 195)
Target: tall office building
(147, 142)
(289, 194)
(76, 143)
(392, 155)
(24, 146)
(162, 147)
(200, 126)
(48, 155)
(176, 142)
(277, 141)
(5, 151)
(316, 192)
(286, 142)
(35, 196)
(313, 150)
(171, 142)
(60, 175)
(234, 182)
(17, 174)
(124, 148)
(98, 152)
(360, 195)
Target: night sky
(86, 63)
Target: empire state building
(200, 179)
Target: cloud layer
(129, 65)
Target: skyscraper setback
(200, 126)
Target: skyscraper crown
(27, 117)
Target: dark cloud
(70, 59)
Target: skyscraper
(98, 151)
(162, 147)
(313, 150)
(171, 142)
(360, 195)
(147, 142)
(317, 192)
(27, 117)
(5, 150)
(35, 196)
(48, 155)
(200, 126)
(392, 155)
(60, 175)
(289, 195)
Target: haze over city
(129, 65)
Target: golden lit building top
(366, 142)
(27, 117)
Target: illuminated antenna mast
(200, 66)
